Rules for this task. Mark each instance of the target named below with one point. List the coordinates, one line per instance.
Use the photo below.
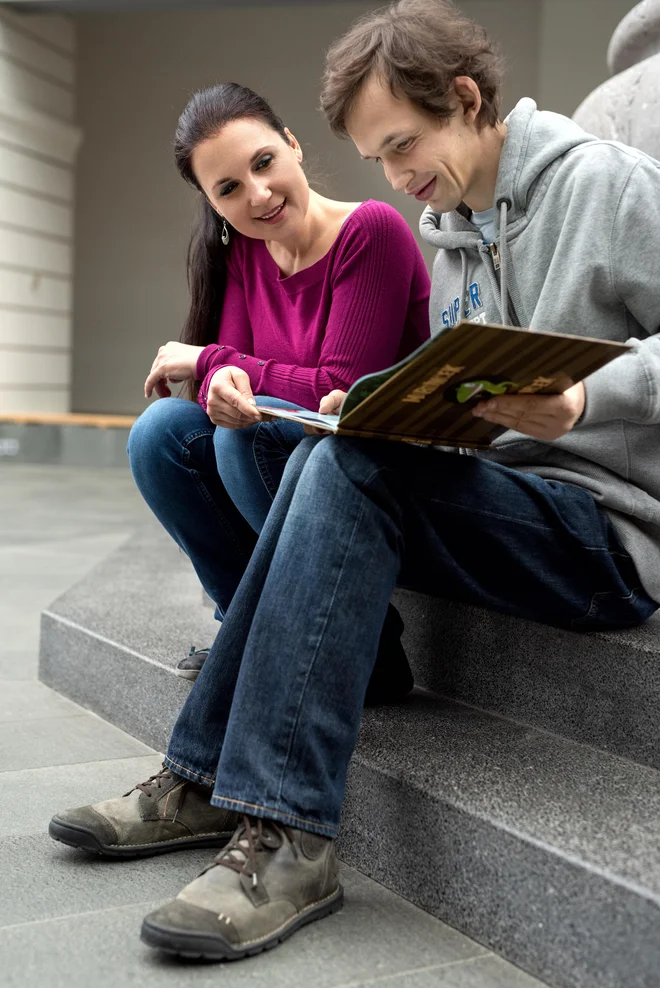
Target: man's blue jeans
(210, 488)
(272, 719)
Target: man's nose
(397, 178)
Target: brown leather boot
(165, 813)
(268, 882)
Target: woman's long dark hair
(205, 115)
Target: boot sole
(207, 947)
(86, 840)
(189, 674)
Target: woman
(293, 296)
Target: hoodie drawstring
(464, 278)
(504, 206)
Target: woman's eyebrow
(257, 154)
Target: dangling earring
(225, 233)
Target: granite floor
(70, 920)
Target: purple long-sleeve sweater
(360, 308)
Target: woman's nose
(259, 194)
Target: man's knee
(354, 459)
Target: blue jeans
(272, 719)
(210, 488)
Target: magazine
(428, 396)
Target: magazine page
(302, 415)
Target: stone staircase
(515, 796)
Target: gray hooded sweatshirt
(579, 252)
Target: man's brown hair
(418, 48)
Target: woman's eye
(265, 161)
(228, 188)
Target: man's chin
(439, 205)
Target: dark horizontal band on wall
(35, 272)
(36, 310)
(14, 21)
(25, 190)
(37, 155)
(11, 386)
(52, 80)
(34, 348)
(52, 238)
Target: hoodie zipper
(514, 297)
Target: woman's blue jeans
(210, 488)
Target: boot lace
(253, 836)
(154, 781)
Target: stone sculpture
(627, 107)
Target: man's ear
(468, 97)
(294, 145)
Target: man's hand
(230, 402)
(330, 405)
(540, 416)
(174, 362)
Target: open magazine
(428, 397)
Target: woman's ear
(294, 145)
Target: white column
(38, 146)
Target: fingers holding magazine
(330, 405)
(545, 417)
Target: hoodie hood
(535, 139)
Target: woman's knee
(234, 446)
(165, 423)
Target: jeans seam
(261, 462)
(491, 514)
(320, 639)
(198, 775)
(197, 434)
(185, 444)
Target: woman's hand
(540, 416)
(230, 402)
(174, 362)
(330, 405)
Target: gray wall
(133, 213)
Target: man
(559, 522)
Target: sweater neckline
(316, 271)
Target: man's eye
(404, 145)
(264, 162)
(228, 188)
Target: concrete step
(602, 689)
(545, 850)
